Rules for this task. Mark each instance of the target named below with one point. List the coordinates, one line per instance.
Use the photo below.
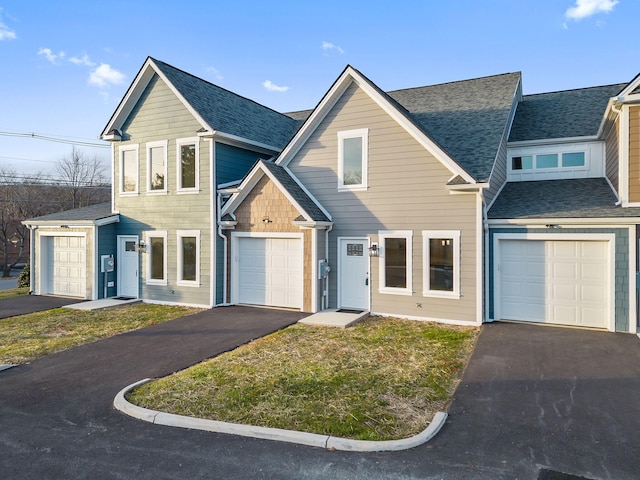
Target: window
(352, 159)
(157, 258)
(395, 262)
(157, 167)
(189, 257)
(441, 264)
(548, 161)
(187, 151)
(573, 159)
(129, 170)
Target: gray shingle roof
(570, 113)
(466, 118)
(84, 214)
(230, 113)
(287, 182)
(575, 198)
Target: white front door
(127, 266)
(353, 273)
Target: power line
(48, 138)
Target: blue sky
(65, 65)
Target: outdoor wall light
(141, 247)
(373, 250)
(14, 240)
(267, 220)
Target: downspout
(619, 113)
(325, 292)
(226, 260)
(32, 270)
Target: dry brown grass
(382, 379)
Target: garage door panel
(563, 282)
(66, 266)
(270, 271)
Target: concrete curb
(310, 439)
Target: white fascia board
(470, 188)
(241, 142)
(633, 84)
(552, 141)
(330, 99)
(537, 222)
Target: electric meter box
(108, 263)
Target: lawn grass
(379, 380)
(14, 292)
(27, 337)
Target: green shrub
(24, 277)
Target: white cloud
(272, 87)
(216, 73)
(5, 32)
(84, 60)
(328, 46)
(587, 8)
(104, 76)
(50, 56)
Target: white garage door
(560, 282)
(66, 266)
(270, 271)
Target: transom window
(548, 161)
(129, 170)
(441, 264)
(157, 166)
(189, 257)
(156, 258)
(352, 159)
(396, 265)
(187, 150)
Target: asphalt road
(534, 401)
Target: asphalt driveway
(10, 307)
(534, 400)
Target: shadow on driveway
(11, 307)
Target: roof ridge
(216, 86)
(455, 81)
(575, 89)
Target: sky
(65, 65)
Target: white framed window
(156, 257)
(128, 181)
(189, 258)
(549, 161)
(396, 268)
(353, 154)
(441, 263)
(188, 162)
(157, 167)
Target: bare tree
(83, 179)
(19, 199)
